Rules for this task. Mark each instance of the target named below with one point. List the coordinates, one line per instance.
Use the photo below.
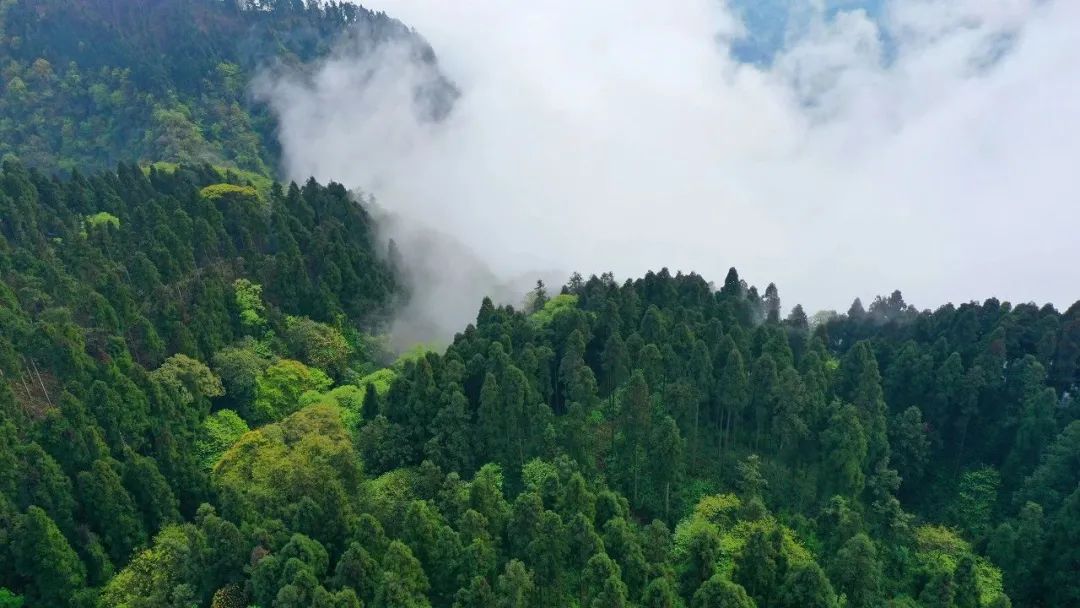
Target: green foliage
(217, 193)
(317, 344)
(42, 557)
(806, 586)
(103, 218)
(189, 378)
(941, 550)
(102, 494)
(403, 582)
(279, 387)
(845, 446)
(413, 354)
(9, 599)
(348, 398)
(718, 592)
(116, 287)
(219, 432)
(160, 574)
(856, 570)
(239, 366)
(552, 308)
(515, 468)
(92, 84)
(515, 586)
(380, 379)
(976, 495)
(249, 301)
(302, 469)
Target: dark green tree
(44, 559)
(660, 593)
(856, 570)
(103, 497)
(403, 582)
(718, 592)
(515, 586)
(806, 586)
(861, 384)
(733, 396)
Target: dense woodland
(198, 407)
(197, 411)
(89, 83)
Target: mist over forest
(693, 304)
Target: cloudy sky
(926, 145)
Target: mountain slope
(92, 82)
(115, 291)
(196, 407)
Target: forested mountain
(117, 292)
(885, 448)
(197, 406)
(195, 413)
(89, 83)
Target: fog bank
(932, 148)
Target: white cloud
(620, 135)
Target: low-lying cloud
(933, 150)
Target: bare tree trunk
(41, 382)
(22, 380)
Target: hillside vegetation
(198, 407)
(89, 83)
(195, 412)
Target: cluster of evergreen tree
(192, 414)
(116, 293)
(894, 449)
(194, 410)
(90, 83)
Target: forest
(199, 406)
(90, 83)
(197, 410)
